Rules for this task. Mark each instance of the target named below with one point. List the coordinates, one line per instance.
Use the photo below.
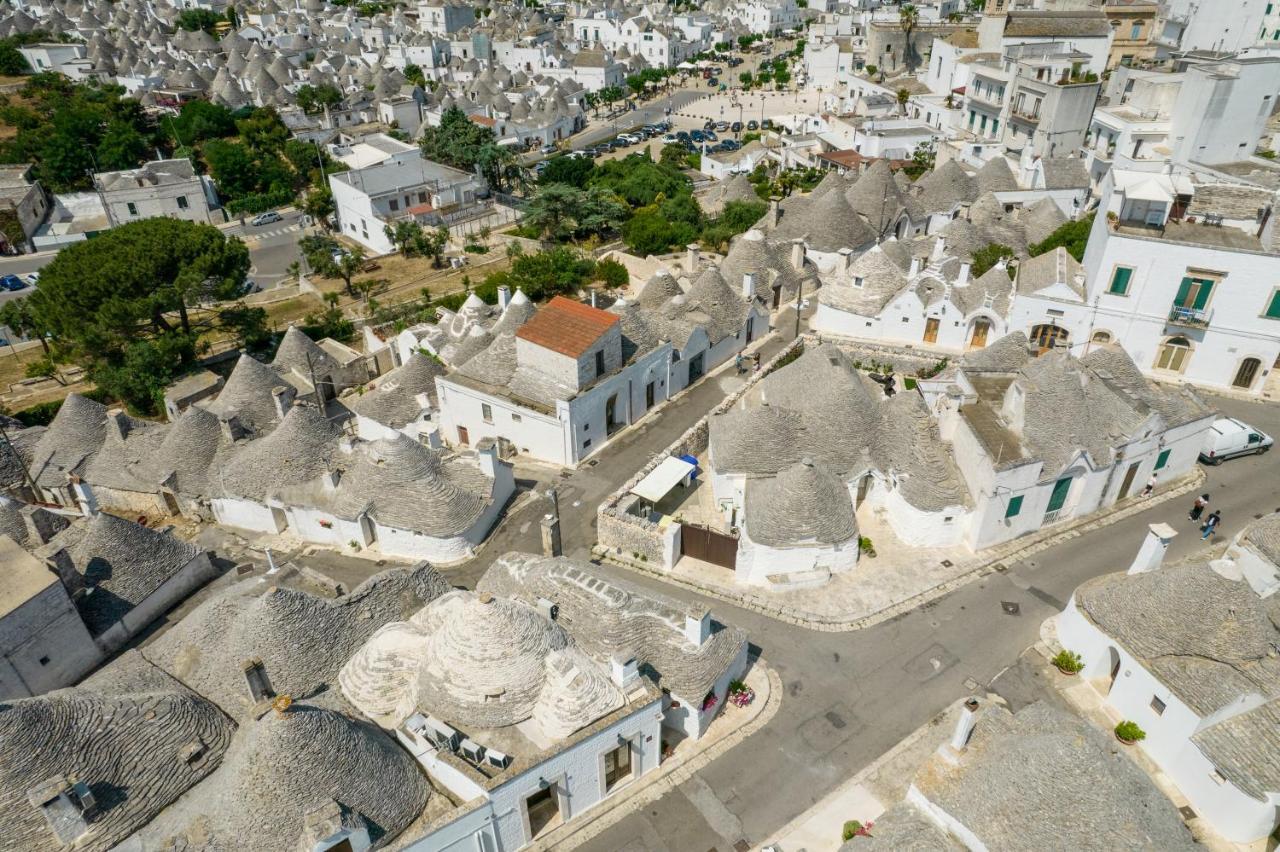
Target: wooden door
(708, 545)
(463, 438)
(931, 330)
(1247, 373)
(1129, 476)
(980, 330)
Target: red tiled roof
(419, 209)
(566, 326)
(482, 120)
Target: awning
(662, 479)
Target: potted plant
(740, 695)
(865, 545)
(855, 828)
(1129, 733)
(1068, 662)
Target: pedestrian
(1151, 485)
(1197, 508)
(739, 364)
(756, 359)
(1211, 524)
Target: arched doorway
(981, 328)
(1113, 669)
(1046, 337)
(1101, 337)
(1173, 354)
(1247, 373)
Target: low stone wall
(906, 361)
(633, 538)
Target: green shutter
(1120, 281)
(1183, 292)
(1202, 295)
(1059, 495)
(1162, 459)
(1015, 506)
(1273, 309)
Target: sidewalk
(884, 587)
(732, 726)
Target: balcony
(1024, 114)
(1189, 317)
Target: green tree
(903, 97)
(745, 79)
(611, 273)
(120, 303)
(330, 322)
(460, 142)
(44, 368)
(404, 233)
(200, 120)
(232, 166)
(1073, 236)
(635, 83)
(16, 313)
(575, 171)
(12, 62)
(262, 130)
(122, 147)
(551, 210)
(600, 211)
(313, 99)
(988, 256)
(432, 244)
(318, 204)
(908, 20)
(414, 75)
(249, 326)
(198, 19)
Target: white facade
(163, 188)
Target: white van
(1229, 437)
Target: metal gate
(708, 545)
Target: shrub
(852, 829)
(1130, 732)
(611, 273)
(865, 545)
(989, 256)
(1073, 236)
(1068, 661)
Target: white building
(23, 201)
(1187, 651)
(521, 700)
(1180, 273)
(168, 188)
(404, 185)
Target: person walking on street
(1211, 524)
(739, 365)
(1151, 485)
(1197, 508)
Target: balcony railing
(1189, 317)
(1026, 114)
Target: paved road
(651, 112)
(850, 697)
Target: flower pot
(1066, 672)
(1126, 742)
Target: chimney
(487, 452)
(329, 479)
(61, 563)
(282, 398)
(915, 268)
(748, 285)
(939, 250)
(423, 401)
(65, 806)
(691, 253)
(255, 678)
(962, 280)
(965, 724)
(624, 671)
(1153, 549)
(593, 298)
(504, 296)
(697, 627)
(846, 261)
(84, 497)
(117, 424)
(797, 254)
(773, 211)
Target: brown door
(543, 808)
(648, 396)
(931, 330)
(463, 438)
(1128, 480)
(980, 329)
(708, 545)
(1247, 373)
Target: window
(617, 767)
(1015, 507)
(182, 202)
(599, 362)
(516, 418)
(1102, 337)
(1218, 777)
(1120, 278)
(1157, 706)
(1162, 459)
(1273, 306)
(586, 443)
(486, 412)
(1136, 32)
(133, 208)
(1194, 292)
(1173, 354)
(393, 204)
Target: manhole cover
(970, 684)
(1010, 608)
(593, 462)
(1187, 812)
(946, 563)
(834, 718)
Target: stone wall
(630, 537)
(906, 361)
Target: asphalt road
(849, 697)
(649, 113)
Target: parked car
(767, 124)
(722, 126)
(708, 125)
(265, 218)
(753, 125)
(736, 127)
(670, 139)
(547, 149)
(730, 145)
(711, 134)
(33, 278)
(697, 136)
(713, 82)
(683, 136)
(12, 282)
(1229, 437)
